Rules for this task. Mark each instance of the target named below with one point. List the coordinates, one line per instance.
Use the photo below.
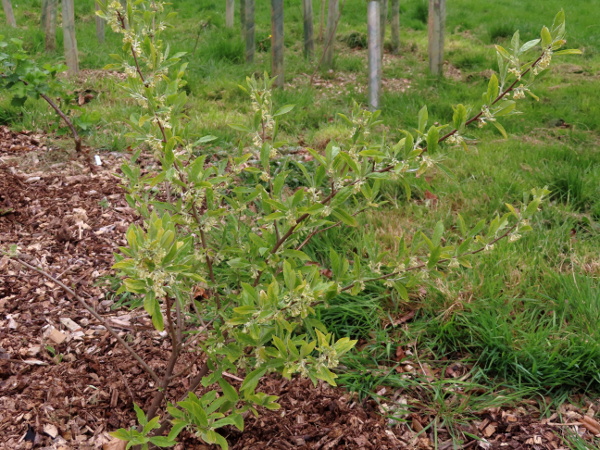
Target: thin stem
(329, 42)
(500, 97)
(93, 312)
(64, 117)
(321, 230)
(441, 261)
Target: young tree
(374, 35)
(332, 21)
(436, 25)
(8, 11)
(249, 30)
(49, 8)
(277, 70)
(99, 25)
(395, 26)
(70, 41)
(383, 12)
(229, 13)
(309, 40)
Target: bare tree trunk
(277, 42)
(70, 41)
(309, 40)
(99, 26)
(395, 26)
(436, 25)
(383, 11)
(374, 36)
(229, 13)
(243, 16)
(49, 8)
(249, 30)
(8, 11)
(332, 20)
(322, 20)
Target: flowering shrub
(224, 238)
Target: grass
(525, 321)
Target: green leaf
(284, 110)
(434, 257)
(529, 45)
(252, 379)
(433, 136)
(546, 37)
(493, 89)
(122, 433)
(500, 129)
(401, 290)
(152, 425)
(178, 426)
(569, 51)
(459, 117)
(503, 52)
(141, 416)
(289, 276)
(438, 232)
(228, 391)
(344, 217)
(162, 441)
(422, 119)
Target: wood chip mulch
(65, 382)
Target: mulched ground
(65, 382)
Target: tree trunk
(395, 26)
(99, 26)
(8, 11)
(249, 30)
(322, 20)
(383, 11)
(243, 16)
(436, 25)
(70, 41)
(309, 40)
(374, 36)
(229, 13)
(277, 42)
(49, 8)
(332, 21)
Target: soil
(65, 382)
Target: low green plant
(235, 230)
(25, 78)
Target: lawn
(521, 328)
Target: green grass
(525, 321)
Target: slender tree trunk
(332, 20)
(383, 11)
(277, 42)
(49, 8)
(436, 25)
(249, 31)
(374, 36)
(99, 26)
(229, 13)
(309, 40)
(70, 41)
(243, 16)
(395, 26)
(322, 20)
(8, 12)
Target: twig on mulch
(91, 310)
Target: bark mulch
(65, 382)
